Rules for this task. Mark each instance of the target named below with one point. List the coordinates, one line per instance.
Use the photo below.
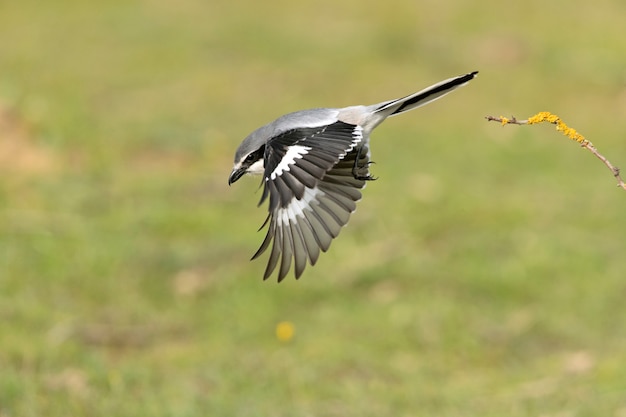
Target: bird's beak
(236, 174)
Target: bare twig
(567, 131)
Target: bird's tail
(415, 100)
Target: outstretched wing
(312, 192)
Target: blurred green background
(482, 275)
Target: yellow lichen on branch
(571, 133)
(546, 116)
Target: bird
(314, 164)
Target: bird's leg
(356, 168)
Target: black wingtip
(463, 79)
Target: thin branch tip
(571, 133)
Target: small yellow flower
(285, 331)
(504, 120)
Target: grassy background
(483, 274)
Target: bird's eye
(250, 158)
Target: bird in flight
(314, 164)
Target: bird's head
(248, 159)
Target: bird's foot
(356, 171)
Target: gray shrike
(314, 164)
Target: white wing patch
(296, 207)
(294, 152)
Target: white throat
(257, 168)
